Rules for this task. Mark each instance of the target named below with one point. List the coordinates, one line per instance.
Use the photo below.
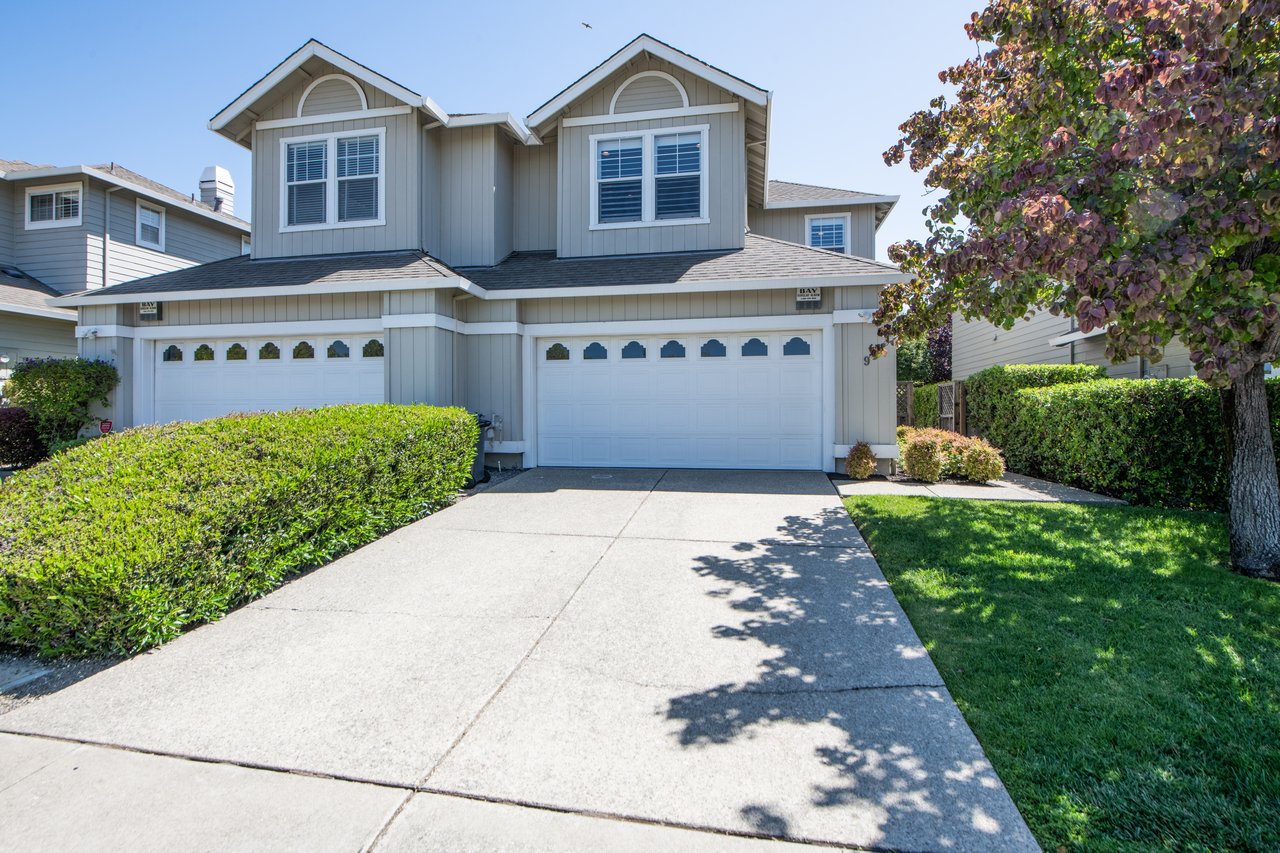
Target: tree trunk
(1255, 489)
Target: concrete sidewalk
(571, 660)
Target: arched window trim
(628, 347)
(557, 348)
(678, 351)
(684, 95)
(723, 353)
(588, 352)
(796, 339)
(742, 351)
(302, 102)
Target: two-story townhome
(614, 281)
(68, 229)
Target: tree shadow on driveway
(892, 763)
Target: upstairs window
(828, 232)
(53, 207)
(333, 181)
(647, 178)
(150, 226)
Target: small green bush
(982, 462)
(58, 392)
(991, 403)
(861, 462)
(20, 444)
(935, 454)
(923, 458)
(925, 414)
(121, 543)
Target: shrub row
(991, 402)
(121, 543)
(935, 454)
(925, 407)
(60, 392)
(1149, 441)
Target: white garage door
(692, 401)
(207, 378)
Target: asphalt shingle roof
(118, 171)
(760, 257)
(788, 191)
(18, 288)
(18, 166)
(241, 272)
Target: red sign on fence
(104, 427)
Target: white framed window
(333, 180)
(828, 232)
(149, 231)
(54, 206)
(649, 177)
(246, 247)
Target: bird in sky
(588, 26)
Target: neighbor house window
(828, 232)
(333, 181)
(53, 207)
(150, 226)
(653, 177)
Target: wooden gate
(906, 404)
(947, 406)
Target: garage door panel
(735, 410)
(186, 389)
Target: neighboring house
(614, 281)
(55, 239)
(1046, 339)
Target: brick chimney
(218, 190)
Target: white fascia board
(831, 202)
(314, 48)
(354, 115)
(452, 324)
(371, 326)
(74, 171)
(105, 330)
(36, 311)
(855, 315)
(1072, 337)
(506, 120)
(650, 115)
(881, 451)
(104, 297)
(640, 45)
(719, 286)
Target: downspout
(106, 233)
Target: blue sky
(138, 86)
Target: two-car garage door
(751, 400)
(206, 378)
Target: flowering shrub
(935, 454)
(58, 392)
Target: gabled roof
(785, 194)
(645, 43)
(24, 294)
(113, 173)
(292, 65)
(761, 259)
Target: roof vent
(218, 190)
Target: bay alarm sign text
(149, 311)
(808, 298)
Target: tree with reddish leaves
(1117, 162)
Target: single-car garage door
(751, 400)
(200, 379)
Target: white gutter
(831, 202)
(32, 311)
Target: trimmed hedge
(122, 543)
(925, 405)
(20, 444)
(1149, 441)
(991, 404)
(60, 393)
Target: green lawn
(1124, 683)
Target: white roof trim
(831, 202)
(311, 49)
(1072, 337)
(710, 286)
(34, 311)
(506, 120)
(640, 45)
(96, 297)
(64, 171)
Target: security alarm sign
(808, 294)
(148, 310)
(104, 427)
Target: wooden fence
(906, 404)
(951, 406)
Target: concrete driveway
(600, 659)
